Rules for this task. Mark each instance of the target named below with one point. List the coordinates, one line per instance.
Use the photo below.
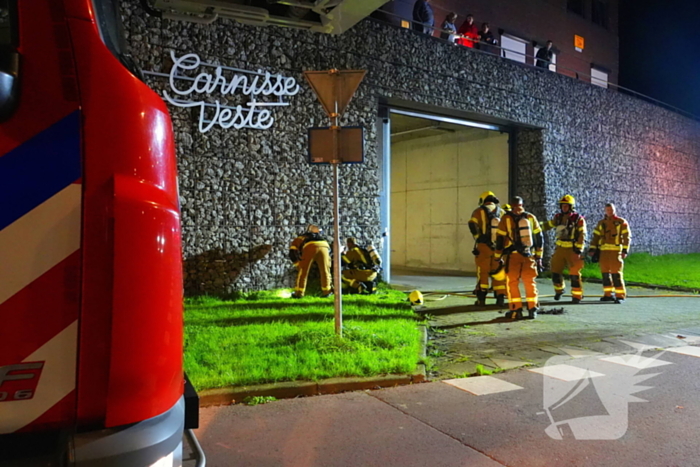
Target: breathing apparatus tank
(376, 259)
(525, 233)
(495, 220)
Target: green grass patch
(664, 270)
(265, 338)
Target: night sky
(660, 50)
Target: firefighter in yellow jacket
(306, 249)
(610, 245)
(570, 229)
(483, 226)
(360, 267)
(519, 244)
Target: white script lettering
(252, 115)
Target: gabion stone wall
(247, 193)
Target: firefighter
(483, 226)
(360, 267)
(519, 246)
(306, 249)
(611, 243)
(570, 229)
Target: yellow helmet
(567, 199)
(507, 208)
(485, 195)
(499, 274)
(415, 297)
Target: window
(575, 6)
(513, 48)
(553, 65)
(599, 13)
(8, 23)
(599, 78)
(109, 22)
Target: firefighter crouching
(570, 238)
(519, 244)
(610, 245)
(483, 226)
(306, 249)
(360, 267)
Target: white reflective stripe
(57, 380)
(39, 240)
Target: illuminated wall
(246, 193)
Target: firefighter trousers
(485, 263)
(565, 258)
(314, 252)
(611, 266)
(354, 277)
(521, 267)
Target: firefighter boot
(481, 298)
(500, 300)
(532, 313)
(515, 314)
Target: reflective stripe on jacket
(574, 233)
(612, 235)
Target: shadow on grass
(261, 305)
(279, 318)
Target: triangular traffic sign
(333, 86)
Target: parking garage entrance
(434, 169)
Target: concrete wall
(435, 185)
(246, 193)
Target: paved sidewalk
(511, 421)
(463, 336)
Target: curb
(290, 390)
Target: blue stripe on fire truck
(39, 168)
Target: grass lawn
(263, 338)
(664, 270)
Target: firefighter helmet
(567, 199)
(488, 196)
(499, 274)
(507, 208)
(415, 297)
(313, 228)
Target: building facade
(524, 26)
(247, 192)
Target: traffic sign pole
(334, 90)
(337, 283)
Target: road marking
(635, 361)
(565, 372)
(482, 385)
(689, 350)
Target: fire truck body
(90, 250)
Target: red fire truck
(91, 323)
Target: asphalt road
(593, 403)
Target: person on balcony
(449, 30)
(423, 17)
(544, 56)
(469, 32)
(487, 41)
